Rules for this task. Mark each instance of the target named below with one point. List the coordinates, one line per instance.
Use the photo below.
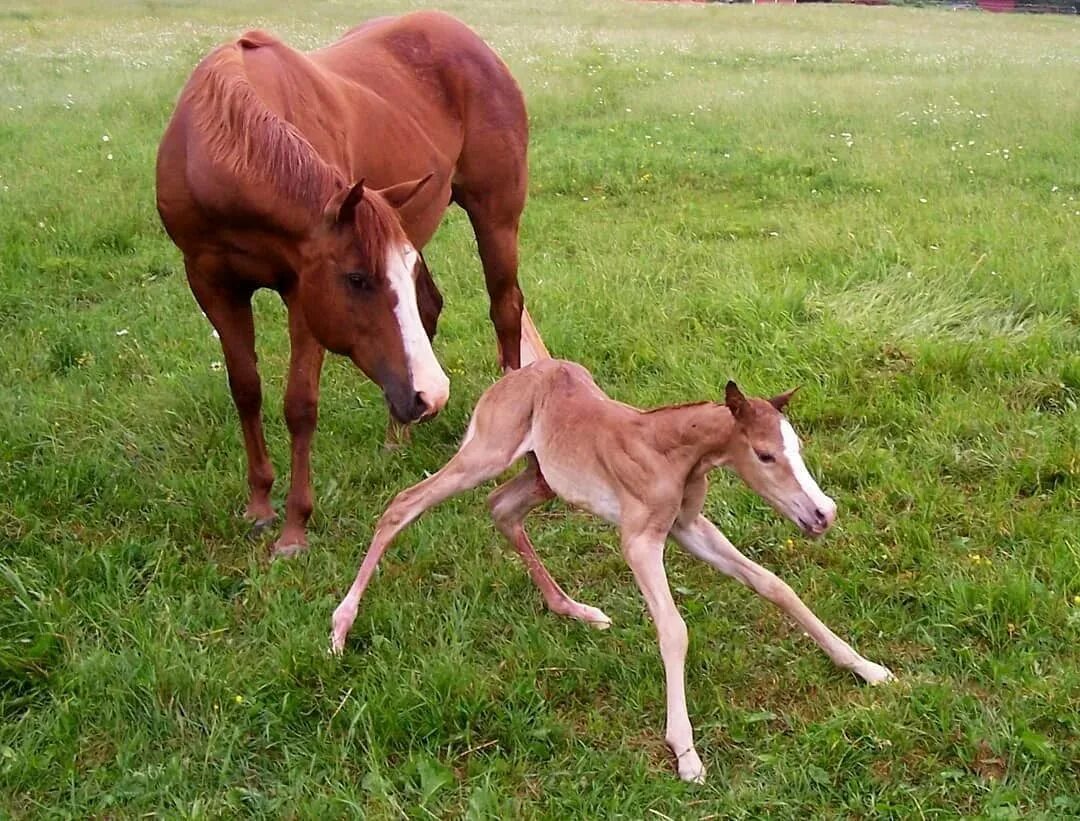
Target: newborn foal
(642, 471)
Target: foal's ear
(341, 208)
(780, 402)
(399, 195)
(734, 399)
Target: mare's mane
(242, 134)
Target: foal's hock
(643, 471)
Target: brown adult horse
(285, 170)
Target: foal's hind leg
(481, 457)
(510, 503)
(229, 311)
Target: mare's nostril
(420, 406)
(820, 516)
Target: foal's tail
(532, 346)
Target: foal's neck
(695, 434)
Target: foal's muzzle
(815, 521)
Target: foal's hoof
(340, 624)
(337, 644)
(874, 673)
(283, 550)
(691, 769)
(595, 617)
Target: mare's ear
(734, 399)
(399, 195)
(341, 209)
(780, 401)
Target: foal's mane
(246, 137)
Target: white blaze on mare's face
(428, 377)
(802, 475)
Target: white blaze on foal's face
(814, 512)
(427, 375)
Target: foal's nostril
(820, 517)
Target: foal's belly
(580, 489)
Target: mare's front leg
(301, 417)
(702, 539)
(644, 552)
(229, 311)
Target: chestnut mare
(322, 176)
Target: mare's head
(367, 295)
(765, 452)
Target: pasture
(882, 205)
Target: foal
(642, 471)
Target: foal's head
(367, 295)
(765, 452)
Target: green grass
(882, 205)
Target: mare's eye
(361, 281)
(767, 458)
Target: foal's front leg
(702, 539)
(644, 553)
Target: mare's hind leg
(510, 503)
(229, 311)
(492, 444)
(490, 184)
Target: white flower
(104, 138)
(122, 332)
(108, 156)
(215, 366)
(922, 200)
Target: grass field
(882, 205)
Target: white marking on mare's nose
(427, 374)
(792, 453)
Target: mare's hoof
(287, 551)
(260, 526)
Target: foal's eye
(767, 458)
(360, 281)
